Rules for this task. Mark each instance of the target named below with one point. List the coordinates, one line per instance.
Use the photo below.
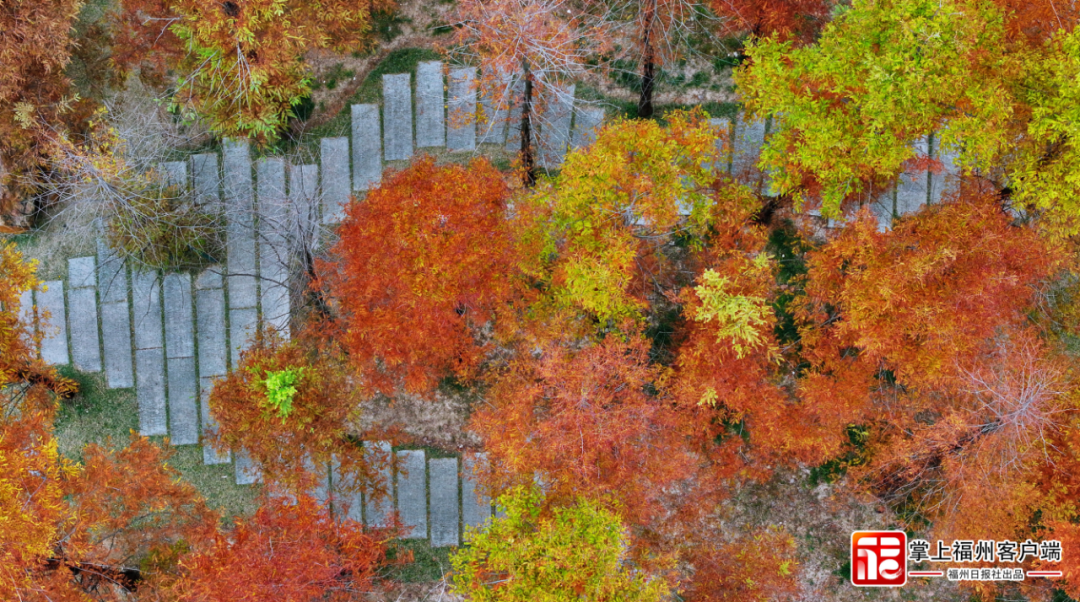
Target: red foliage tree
(293, 436)
(590, 422)
(424, 263)
(289, 551)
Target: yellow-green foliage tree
(243, 69)
(574, 552)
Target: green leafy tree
(573, 553)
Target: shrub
(161, 227)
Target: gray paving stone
(445, 512)
(54, 343)
(242, 325)
(206, 179)
(587, 121)
(146, 310)
(412, 492)
(322, 476)
(81, 272)
(210, 318)
(366, 147)
(179, 324)
(83, 324)
(475, 507)
(150, 391)
(948, 179)
(495, 104)
(211, 277)
(513, 118)
(116, 339)
(210, 455)
(723, 127)
(27, 313)
(276, 309)
(397, 117)
(746, 144)
(461, 110)
(555, 127)
(347, 502)
(912, 191)
(334, 157)
(304, 204)
(183, 401)
(377, 511)
(430, 105)
(247, 473)
(240, 229)
(174, 173)
(112, 275)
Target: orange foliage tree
(423, 264)
(291, 406)
(292, 551)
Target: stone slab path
(171, 335)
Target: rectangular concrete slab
(949, 178)
(116, 339)
(747, 140)
(304, 205)
(210, 320)
(206, 179)
(82, 272)
(366, 147)
(83, 324)
(247, 473)
(179, 322)
(554, 138)
(513, 117)
(146, 310)
(495, 103)
(377, 509)
(112, 275)
(240, 227)
(322, 479)
(242, 327)
(587, 121)
(54, 344)
(475, 507)
(183, 401)
(174, 173)
(397, 117)
(412, 492)
(348, 502)
(461, 110)
(212, 277)
(336, 187)
(722, 127)
(150, 391)
(27, 313)
(912, 190)
(430, 106)
(276, 308)
(444, 509)
(210, 455)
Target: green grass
(429, 564)
(106, 416)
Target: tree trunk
(528, 163)
(648, 64)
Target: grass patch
(429, 564)
(95, 415)
(106, 416)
